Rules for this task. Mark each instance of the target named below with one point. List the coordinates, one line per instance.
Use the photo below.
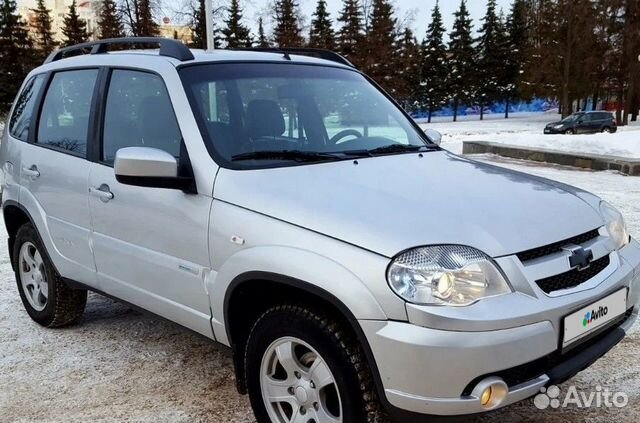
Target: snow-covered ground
(526, 129)
(119, 365)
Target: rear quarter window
(22, 118)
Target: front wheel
(303, 367)
(570, 132)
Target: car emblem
(580, 258)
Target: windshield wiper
(401, 148)
(295, 155)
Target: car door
(54, 172)
(150, 244)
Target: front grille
(574, 277)
(529, 371)
(556, 246)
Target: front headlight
(615, 224)
(558, 127)
(445, 275)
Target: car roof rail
(168, 47)
(301, 51)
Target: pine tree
(235, 33)
(408, 70)
(322, 34)
(461, 61)
(146, 25)
(287, 31)
(263, 41)
(351, 40)
(74, 28)
(433, 90)
(109, 21)
(490, 58)
(198, 24)
(16, 58)
(381, 55)
(41, 30)
(516, 59)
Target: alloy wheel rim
(297, 384)
(33, 276)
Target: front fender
(297, 264)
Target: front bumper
(427, 371)
(552, 130)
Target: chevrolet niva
(282, 205)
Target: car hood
(388, 204)
(555, 123)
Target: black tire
(606, 129)
(64, 305)
(570, 132)
(333, 342)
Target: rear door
(54, 171)
(150, 244)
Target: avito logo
(594, 315)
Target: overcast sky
(419, 9)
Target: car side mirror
(434, 136)
(149, 167)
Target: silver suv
(281, 204)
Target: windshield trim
(239, 165)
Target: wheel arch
(267, 289)
(15, 215)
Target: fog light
(486, 396)
(491, 392)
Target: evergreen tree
(109, 21)
(461, 61)
(263, 41)
(41, 30)
(235, 33)
(490, 58)
(409, 63)
(350, 42)
(146, 25)
(287, 30)
(516, 59)
(198, 26)
(16, 58)
(138, 15)
(381, 57)
(74, 28)
(322, 34)
(433, 90)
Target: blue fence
(536, 105)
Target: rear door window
(22, 118)
(64, 120)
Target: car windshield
(265, 114)
(572, 118)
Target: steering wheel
(346, 133)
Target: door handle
(31, 172)
(102, 192)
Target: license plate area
(589, 319)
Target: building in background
(179, 32)
(87, 10)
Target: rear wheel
(47, 299)
(606, 130)
(304, 367)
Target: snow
(526, 129)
